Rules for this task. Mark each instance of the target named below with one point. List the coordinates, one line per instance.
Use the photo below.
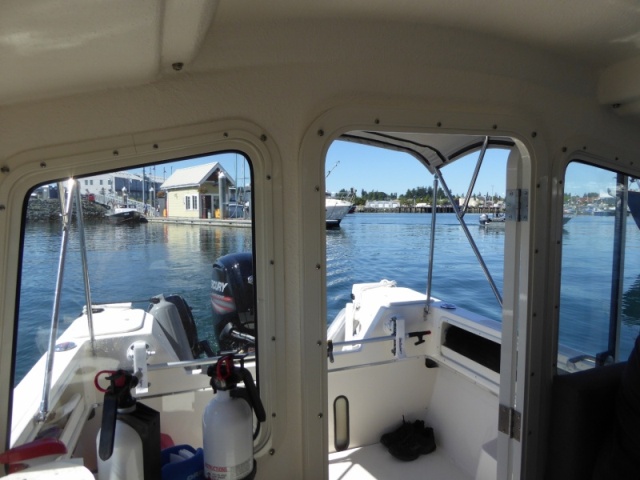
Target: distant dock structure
(394, 206)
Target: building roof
(195, 176)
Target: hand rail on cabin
(197, 362)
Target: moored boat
(491, 220)
(335, 210)
(125, 214)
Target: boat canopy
(434, 150)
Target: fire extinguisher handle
(254, 396)
(118, 395)
(108, 430)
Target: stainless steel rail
(85, 270)
(66, 209)
(431, 245)
(465, 229)
(459, 211)
(68, 194)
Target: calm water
(370, 247)
(126, 262)
(137, 262)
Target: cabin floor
(374, 462)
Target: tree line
(411, 197)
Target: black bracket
(420, 336)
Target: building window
(187, 202)
(194, 202)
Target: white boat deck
(375, 462)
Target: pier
(416, 209)
(211, 222)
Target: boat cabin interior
(400, 381)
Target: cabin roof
(195, 176)
(54, 48)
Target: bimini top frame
(68, 193)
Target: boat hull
(129, 216)
(336, 210)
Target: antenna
(332, 169)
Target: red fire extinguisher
(227, 423)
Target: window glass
(135, 255)
(600, 280)
(391, 194)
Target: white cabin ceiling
(599, 32)
(52, 48)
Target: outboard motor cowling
(232, 302)
(174, 315)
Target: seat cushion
(619, 457)
(583, 411)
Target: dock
(211, 222)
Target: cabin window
(146, 261)
(388, 236)
(599, 314)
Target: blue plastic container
(188, 469)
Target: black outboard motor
(232, 302)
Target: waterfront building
(113, 183)
(382, 204)
(199, 191)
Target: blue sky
(371, 168)
(374, 169)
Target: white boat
(336, 210)
(110, 86)
(491, 220)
